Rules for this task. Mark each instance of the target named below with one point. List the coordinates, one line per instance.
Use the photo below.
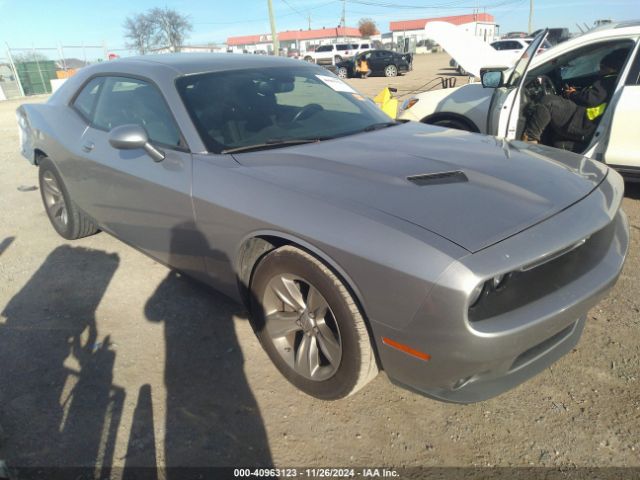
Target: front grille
(547, 278)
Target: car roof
(191, 63)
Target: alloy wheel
(391, 71)
(54, 200)
(302, 327)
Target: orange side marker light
(406, 349)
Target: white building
(411, 32)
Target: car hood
(500, 187)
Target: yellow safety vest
(595, 112)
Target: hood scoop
(440, 178)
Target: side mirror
(492, 78)
(132, 137)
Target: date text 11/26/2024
(315, 473)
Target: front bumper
(473, 359)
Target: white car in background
(507, 52)
(498, 105)
(335, 53)
(512, 48)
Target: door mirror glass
(131, 137)
(492, 78)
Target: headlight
(407, 104)
(492, 285)
(476, 294)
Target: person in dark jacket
(575, 115)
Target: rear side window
(131, 101)
(86, 99)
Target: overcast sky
(74, 22)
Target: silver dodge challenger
(461, 264)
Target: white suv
(334, 53)
(500, 107)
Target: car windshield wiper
(274, 143)
(378, 126)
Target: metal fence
(34, 70)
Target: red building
(302, 40)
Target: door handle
(87, 147)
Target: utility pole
(274, 33)
(343, 20)
(309, 18)
(530, 16)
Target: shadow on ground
(59, 405)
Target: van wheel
(67, 219)
(309, 325)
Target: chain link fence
(28, 71)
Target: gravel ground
(108, 358)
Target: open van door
(504, 110)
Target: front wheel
(66, 218)
(310, 325)
(451, 123)
(343, 72)
(391, 71)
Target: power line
(441, 6)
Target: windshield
(525, 59)
(242, 108)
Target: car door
(623, 146)
(504, 109)
(143, 202)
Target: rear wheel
(337, 59)
(390, 71)
(308, 59)
(309, 325)
(67, 219)
(343, 72)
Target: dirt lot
(108, 358)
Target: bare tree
(139, 30)
(367, 27)
(170, 27)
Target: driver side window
(131, 101)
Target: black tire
(390, 71)
(357, 365)
(337, 59)
(77, 224)
(308, 59)
(451, 123)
